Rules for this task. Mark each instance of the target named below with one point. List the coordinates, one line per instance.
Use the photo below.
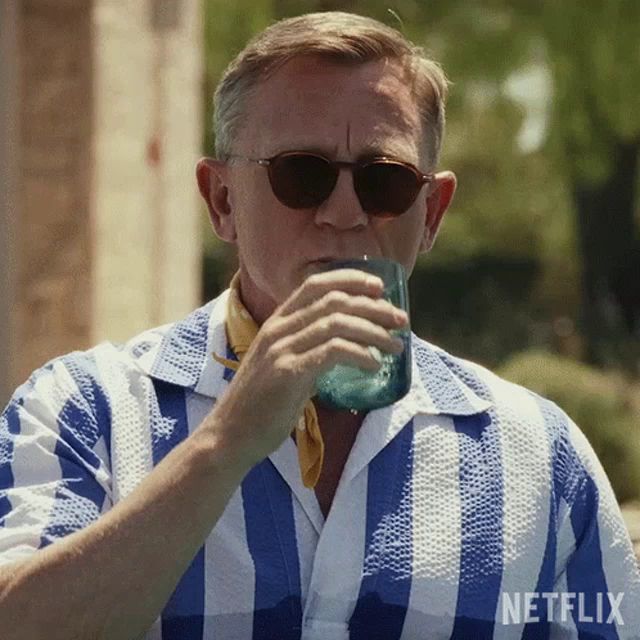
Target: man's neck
(337, 419)
(257, 303)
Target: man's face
(344, 113)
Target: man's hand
(333, 317)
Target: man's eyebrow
(370, 150)
(328, 152)
(373, 150)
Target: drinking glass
(349, 387)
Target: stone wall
(8, 184)
(101, 225)
(148, 135)
(52, 306)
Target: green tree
(591, 50)
(594, 54)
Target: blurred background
(105, 105)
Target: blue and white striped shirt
(455, 502)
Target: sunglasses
(385, 187)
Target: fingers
(327, 354)
(378, 310)
(335, 317)
(347, 327)
(350, 281)
(346, 291)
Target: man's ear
(439, 195)
(213, 181)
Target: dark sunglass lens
(301, 181)
(386, 188)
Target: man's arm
(111, 579)
(598, 581)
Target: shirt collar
(181, 354)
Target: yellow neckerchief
(241, 330)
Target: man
(182, 500)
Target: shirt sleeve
(597, 577)
(55, 475)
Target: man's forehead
(382, 83)
(354, 139)
(361, 148)
(316, 105)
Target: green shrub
(603, 405)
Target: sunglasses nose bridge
(350, 168)
(338, 167)
(338, 205)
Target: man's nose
(342, 209)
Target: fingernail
(401, 316)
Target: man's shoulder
(472, 374)
(505, 396)
(143, 350)
(130, 354)
(98, 370)
(174, 352)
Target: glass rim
(375, 261)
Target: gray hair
(339, 37)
